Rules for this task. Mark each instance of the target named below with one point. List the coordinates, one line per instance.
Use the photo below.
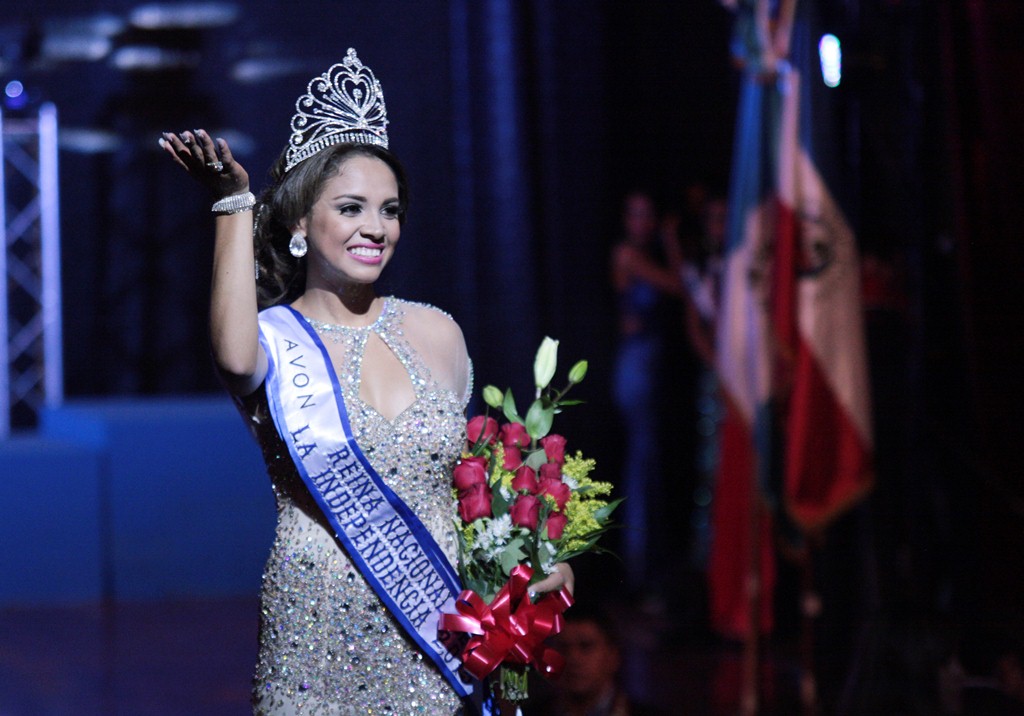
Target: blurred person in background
(590, 684)
(643, 279)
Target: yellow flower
(497, 460)
(505, 478)
(581, 521)
(499, 475)
(577, 467)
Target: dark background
(521, 125)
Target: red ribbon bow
(512, 629)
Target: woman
(641, 282)
(360, 415)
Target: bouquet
(524, 505)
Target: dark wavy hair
(289, 198)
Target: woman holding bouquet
(357, 401)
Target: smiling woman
(324, 180)
(352, 229)
(357, 401)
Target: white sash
(383, 538)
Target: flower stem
(513, 683)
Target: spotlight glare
(831, 56)
(14, 89)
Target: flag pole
(749, 691)
(810, 608)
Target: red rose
(481, 428)
(514, 434)
(513, 458)
(557, 489)
(526, 511)
(470, 471)
(475, 502)
(551, 471)
(554, 448)
(525, 479)
(556, 525)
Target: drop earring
(297, 246)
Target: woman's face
(639, 219)
(353, 226)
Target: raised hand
(210, 162)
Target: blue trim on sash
(389, 545)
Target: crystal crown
(344, 104)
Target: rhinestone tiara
(344, 104)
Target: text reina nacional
(383, 540)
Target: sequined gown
(327, 645)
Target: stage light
(184, 16)
(15, 96)
(151, 58)
(67, 48)
(831, 56)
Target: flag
(818, 315)
(790, 347)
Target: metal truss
(32, 374)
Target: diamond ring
(216, 166)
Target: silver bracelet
(235, 203)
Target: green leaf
(509, 407)
(602, 514)
(536, 458)
(565, 403)
(589, 549)
(512, 555)
(499, 505)
(477, 585)
(539, 420)
(589, 546)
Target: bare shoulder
(623, 265)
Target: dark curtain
(530, 173)
(983, 83)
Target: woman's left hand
(561, 577)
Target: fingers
(209, 161)
(562, 577)
(176, 149)
(206, 147)
(225, 152)
(194, 148)
(568, 577)
(191, 149)
(550, 583)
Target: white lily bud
(545, 362)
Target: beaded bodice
(327, 644)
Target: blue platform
(133, 499)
